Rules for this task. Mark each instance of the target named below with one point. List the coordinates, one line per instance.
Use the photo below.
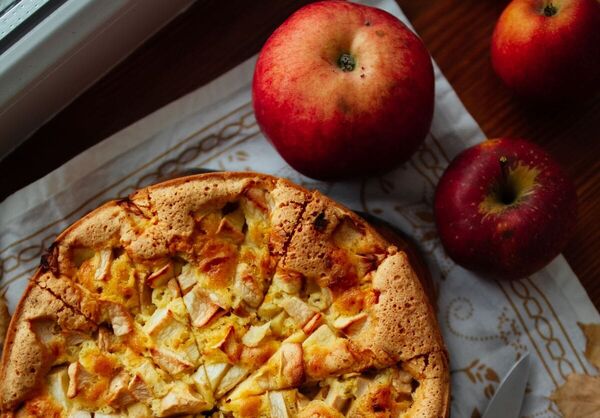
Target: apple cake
(224, 295)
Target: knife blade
(508, 399)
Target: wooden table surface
(214, 36)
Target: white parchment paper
(487, 325)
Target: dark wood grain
(214, 36)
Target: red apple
(504, 208)
(548, 49)
(342, 89)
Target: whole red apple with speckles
(504, 208)
(549, 50)
(342, 89)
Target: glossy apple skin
(545, 58)
(518, 240)
(328, 123)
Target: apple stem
(507, 195)
(504, 168)
(550, 10)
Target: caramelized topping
(223, 325)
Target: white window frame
(59, 58)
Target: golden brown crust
(405, 324)
(310, 235)
(169, 206)
(406, 244)
(434, 389)
(72, 295)
(289, 202)
(27, 356)
(432, 399)
(311, 250)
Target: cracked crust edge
(170, 202)
(24, 351)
